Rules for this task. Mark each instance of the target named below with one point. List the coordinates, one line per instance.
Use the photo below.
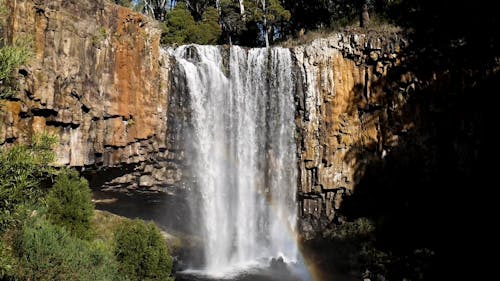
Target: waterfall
(242, 112)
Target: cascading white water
(245, 152)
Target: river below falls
(169, 212)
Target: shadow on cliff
(420, 192)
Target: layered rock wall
(341, 117)
(99, 81)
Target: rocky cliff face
(388, 131)
(99, 81)
(342, 117)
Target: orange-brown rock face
(339, 117)
(97, 79)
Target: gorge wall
(344, 100)
(101, 82)
(97, 80)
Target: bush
(69, 204)
(359, 229)
(6, 262)
(141, 251)
(12, 54)
(11, 57)
(22, 170)
(49, 252)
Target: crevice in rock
(43, 112)
(55, 123)
(85, 109)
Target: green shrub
(6, 263)
(141, 251)
(361, 228)
(12, 54)
(69, 204)
(48, 252)
(11, 57)
(22, 170)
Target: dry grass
(105, 223)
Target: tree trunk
(265, 27)
(364, 18)
(266, 35)
(242, 8)
(217, 6)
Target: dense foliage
(247, 22)
(23, 169)
(11, 57)
(49, 235)
(255, 22)
(7, 262)
(141, 252)
(181, 28)
(49, 252)
(69, 204)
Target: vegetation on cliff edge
(12, 55)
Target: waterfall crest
(242, 135)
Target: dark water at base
(170, 213)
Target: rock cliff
(98, 81)
(341, 116)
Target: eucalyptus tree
(157, 8)
(268, 14)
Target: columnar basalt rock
(98, 80)
(340, 106)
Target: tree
(70, 204)
(198, 7)
(142, 252)
(364, 17)
(209, 28)
(156, 8)
(232, 21)
(179, 27)
(267, 13)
